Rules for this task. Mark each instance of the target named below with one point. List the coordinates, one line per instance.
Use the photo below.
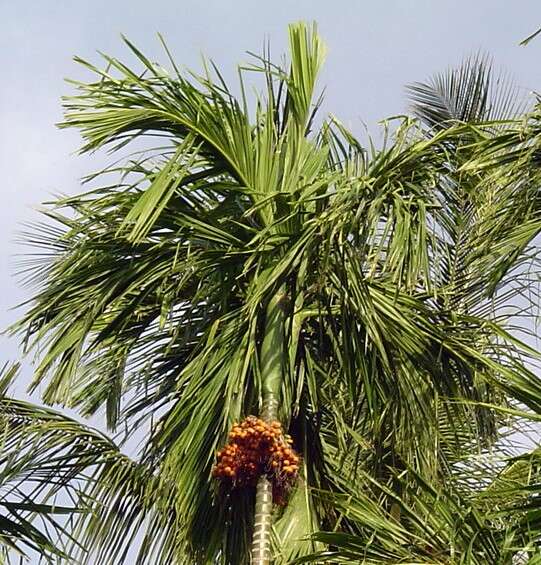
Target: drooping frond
(46, 459)
(495, 519)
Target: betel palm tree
(211, 224)
(252, 262)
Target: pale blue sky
(374, 49)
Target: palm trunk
(271, 370)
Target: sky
(374, 50)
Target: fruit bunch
(258, 448)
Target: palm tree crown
(248, 258)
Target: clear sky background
(374, 49)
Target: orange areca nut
(258, 448)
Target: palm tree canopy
(391, 267)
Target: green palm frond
(46, 459)
(469, 93)
(67, 490)
(486, 510)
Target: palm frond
(46, 459)
(428, 523)
(469, 93)
(530, 37)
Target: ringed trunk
(271, 370)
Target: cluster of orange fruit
(258, 448)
